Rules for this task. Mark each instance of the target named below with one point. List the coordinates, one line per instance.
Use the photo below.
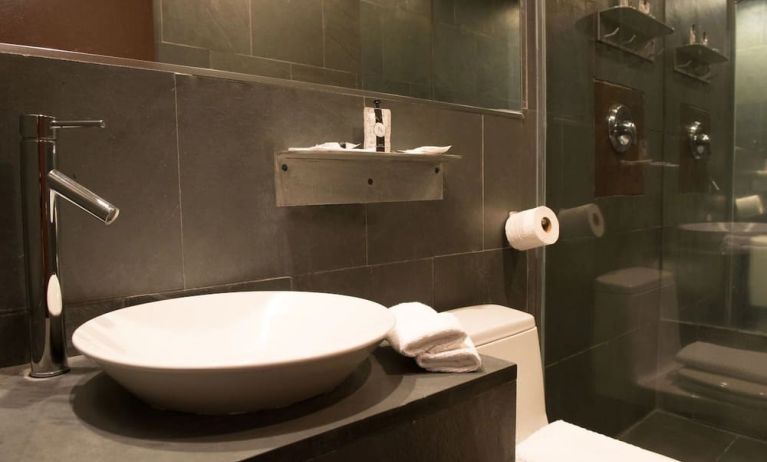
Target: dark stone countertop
(84, 415)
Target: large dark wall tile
(495, 276)
(290, 30)
(221, 25)
(387, 284)
(14, 332)
(342, 34)
(402, 231)
(509, 171)
(232, 228)
(132, 162)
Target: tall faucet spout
(41, 186)
(82, 197)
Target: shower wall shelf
(349, 177)
(695, 61)
(631, 31)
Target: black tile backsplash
(189, 160)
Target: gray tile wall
(189, 160)
(599, 371)
(447, 50)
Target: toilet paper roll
(532, 228)
(749, 206)
(585, 220)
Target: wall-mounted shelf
(354, 177)
(631, 31)
(695, 61)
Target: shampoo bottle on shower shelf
(377, 123)
(693, 35)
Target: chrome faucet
(41, 186)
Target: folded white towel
(330, 146)
(460, 358)
(560, 441)
(418, 328)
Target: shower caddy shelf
(631, 31)
(357, 177)
(697, 56)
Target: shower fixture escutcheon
(621, 129)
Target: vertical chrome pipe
(41, 185)
(40, 216)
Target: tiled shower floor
(691, 441)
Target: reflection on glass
(465, 52)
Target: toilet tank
(511, 335)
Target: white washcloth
(461, 358)
(560, 441)
(330, 146)
(418, 328)
(428, 150)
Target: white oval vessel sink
(234, 352)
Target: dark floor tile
(680, 438)
(405, 231)
(249, 65)
(289, 30)
(509, 171)
(216, 25)
(132, 163)
(233, 230)
(14, 332)
(745, 450)
(410, 281)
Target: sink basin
(234, 352)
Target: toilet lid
(488, 323)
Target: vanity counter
(389, 409)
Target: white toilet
(511, 335)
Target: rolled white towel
(461, 358)
(418, 328)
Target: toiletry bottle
(377, 125)
(644, 6)
(704, 40)
(693, 35)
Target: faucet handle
(78, 124)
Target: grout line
(719, 458)
(433, 282)
(250, 25)
(324, 34)
(482, 175)
(367, 245)
(178, 177)
(625, 432)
